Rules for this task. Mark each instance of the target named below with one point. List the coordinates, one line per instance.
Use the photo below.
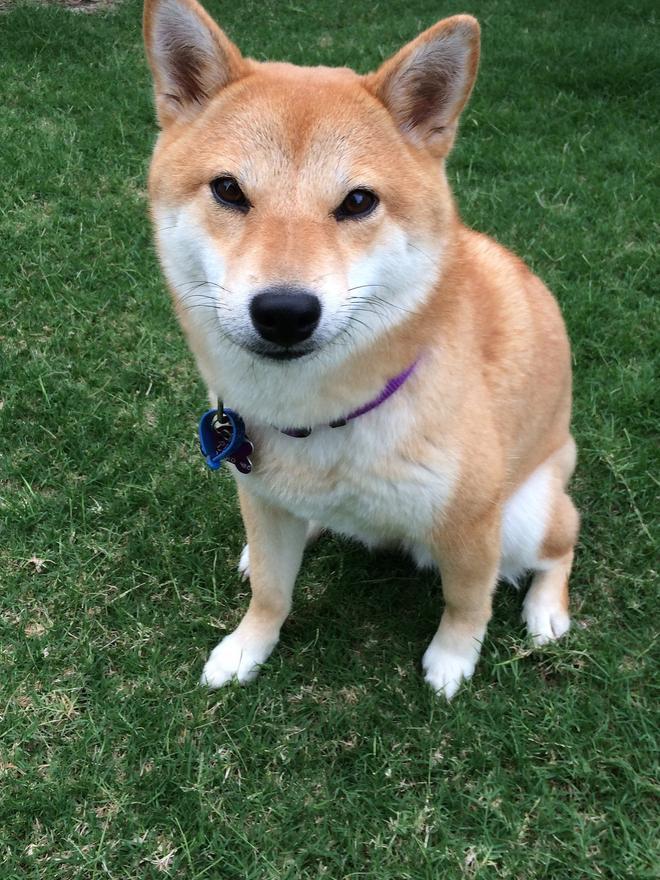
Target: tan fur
(493, 389)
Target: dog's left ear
(427, 83)
(190, 57)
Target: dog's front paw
(444, 670)
(546, 621)
(233, 658)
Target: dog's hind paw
(244, 563)
(545, 622)
(233, 658)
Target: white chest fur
(371, 479)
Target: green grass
(338, 762)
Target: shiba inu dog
(402, 379)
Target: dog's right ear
(190, 57)
(427, 83)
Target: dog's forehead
(298, 120)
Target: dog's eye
(228, 192)
(358, 203)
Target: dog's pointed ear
(427, 83)
(190, 57)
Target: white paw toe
(545, 623)
(244, 563)
(232, 659)
(445, 670)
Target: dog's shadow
(370, 606)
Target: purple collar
(390, 388)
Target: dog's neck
(300, 394)
(391, 387)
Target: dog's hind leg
(545, 609)
(277, 541)
(314, 530)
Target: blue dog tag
(222, 437)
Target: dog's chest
(370, 479)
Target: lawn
(118, 550)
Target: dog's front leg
(468, 557)
(276, 540)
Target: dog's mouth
(279, 353)
(269, 351)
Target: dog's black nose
(285, 315)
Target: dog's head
(300, 211)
